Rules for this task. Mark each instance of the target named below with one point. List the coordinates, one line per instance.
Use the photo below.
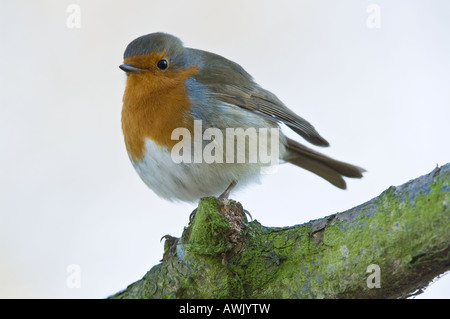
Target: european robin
(173, 92)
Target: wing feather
(266, 104)
(230, 83)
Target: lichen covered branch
(404, 232)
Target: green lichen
(208, 235)
(405, 232)
(393, 236)
(289, 263)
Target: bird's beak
(130, 68)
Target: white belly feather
(190, 181)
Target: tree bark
(389, 247)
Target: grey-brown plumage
(222, 95)
(229, 82)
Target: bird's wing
(266, 104)
(230, 83)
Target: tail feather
(322, 165)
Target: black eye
(162, 64)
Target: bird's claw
(192, 215)
(170, 246)
(226, 193)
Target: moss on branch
(405, 231)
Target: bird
(173, 92)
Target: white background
(68, 193)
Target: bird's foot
(226, 193)
(248, 213)
(192, 215)
(170, 246)
(222, 198)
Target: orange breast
(154, 104)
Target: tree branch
(404, 231)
